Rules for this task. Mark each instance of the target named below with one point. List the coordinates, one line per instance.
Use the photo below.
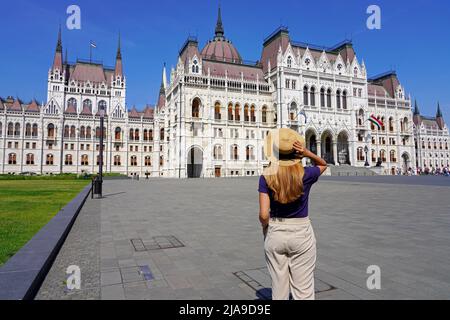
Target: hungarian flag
(376, 122)
(93, 45)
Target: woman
(290, 244)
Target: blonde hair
(285, 182)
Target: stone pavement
(122, 242)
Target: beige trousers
(290, 248)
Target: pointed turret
(219, 26)
(118, 68)
(164, 77)
(417, 119)
(439, 118)
(162, 91)
(58, 60)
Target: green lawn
(28, 205)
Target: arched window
(84, 160)
(338, 99)
(161, 134)
(10, 129)
(249, 153)
(136, 135)
(131, 135)
(344, 99)
(264, 115)
(150, 133)
(51, 131)
(30, 159)
(17, 130)
(293, 111)
(73, 132)
(289, 62)
(391, 124)
(27, 129)
(383, 155)
(68, 160)
(97, 133)
(72, 102)
(1, 129)
(237, 112)
(145, 135)
(305, 95)
(252, 114)
(234, 152)
(392, 156)
(217, 114)
(102, 105)
(117, 161)
(361, 117)
(34, 131)
(98, 160)
(312, 97)
(49, 160)
(360, 154)
(82, 132)
(161, 161)
(217, 153)
(230, 112)
(88, 132)
(246, 113)
(66, 131)
(329, 98)
(374, 155)
(196, 108)
(355, 72)
(118, 134)
(148, 161)
(322, 97)
(12, 158)
(87, 105)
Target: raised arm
(304, 152)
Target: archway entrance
(195, 163)
(327, 147)
(311, 141)
(406, 162)
(342, 145)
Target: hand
(300, 149)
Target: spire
(118, 68)
(416, 108)
(439, 112)
(164, 78)
(219, 27)
(58, 60)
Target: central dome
(220, 48)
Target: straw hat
(279, 146)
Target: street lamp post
(366, 150)
(100, 166)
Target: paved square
(397, 223)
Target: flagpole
(90, 51)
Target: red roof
(217, 68)
(32, 107)
(222, 50)
(149, 112)
(88, 72)
(16, 105)
(134, 113)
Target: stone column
(319, 148)
(335, 153)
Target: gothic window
(360, 154)
(34, 131)
(230, 112)
(246, 114)
(102, 105)
(234, 152)
(148, 161)
(117, 161)
(217, 153)
(131, 136)
(249, 153)
(68, 160)
(117, 133)
(355, 72)
(252, 114)
(289, 62)
(196, 108)
(305, 95)
(338, 99)
(73, 132)
(12, 158)
(161, 134)
(322, 97)
(17, 130)
(392, 156)
(136, 135)
(150, 135)
(84, 160)
(27, 129)
(344, 99)
(87, 105)
(264, 114)
(133, 161)
(66, 131)
(383, 155)
(30, 159)
(329, 98)
(49, 160)
(72, 102)
(10, 129)
(237, 112)
(312, 95)
(88, 132)
(217, 114)
(51, 131)
(391, 124)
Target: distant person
(290, 243)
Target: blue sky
(414, 38)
